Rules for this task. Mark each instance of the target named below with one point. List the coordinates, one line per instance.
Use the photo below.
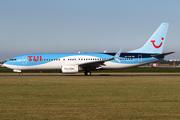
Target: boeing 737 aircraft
(75, 62)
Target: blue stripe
(126, 58)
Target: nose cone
(5, 64)
(2, 64)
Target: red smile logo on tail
(153, 42)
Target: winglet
(116, 56)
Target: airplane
(75, 62)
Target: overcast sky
(61, 26)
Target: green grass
(105, 98)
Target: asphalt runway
(103, 75)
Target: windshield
(12, 59)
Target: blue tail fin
(156, 42)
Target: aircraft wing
(95, 64)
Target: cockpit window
(12, 59)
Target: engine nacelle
(69, 69)
(16, 70)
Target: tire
(88, 73)
(20, 74)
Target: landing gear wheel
(20, 74)
(87, 73)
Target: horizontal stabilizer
(164, 54)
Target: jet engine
(69, 69)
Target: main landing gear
(87, 73)
(20, 74)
